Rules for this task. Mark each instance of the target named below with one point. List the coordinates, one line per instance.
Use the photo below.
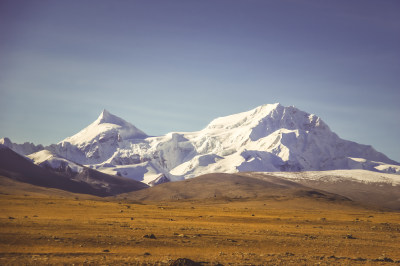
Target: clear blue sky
(172, 65)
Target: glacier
(269, 138)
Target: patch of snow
(159, 180)
(46, 158)
(357, 175)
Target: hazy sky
(174, 65)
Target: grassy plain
(38, 229)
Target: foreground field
(52, 230)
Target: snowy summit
(269, 138)
(106, 126)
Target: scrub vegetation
(42, 228)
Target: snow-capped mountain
(269, 138)
(99, 141)
(107, 127)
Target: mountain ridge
(268, 138)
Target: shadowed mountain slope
(17, 167)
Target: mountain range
(269, 151)
(269, 138)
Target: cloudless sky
(174, 65)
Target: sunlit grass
(68, 230)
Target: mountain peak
(266, 109)
(6, 141)
(270, 105)
(106, 117)
(104, 113)
(247, 118)
(105, 126)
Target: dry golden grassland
(53, 230)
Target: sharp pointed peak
(104, 113)
(106, 122)
(107, 117)
(6, 141)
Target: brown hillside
(231, 187)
